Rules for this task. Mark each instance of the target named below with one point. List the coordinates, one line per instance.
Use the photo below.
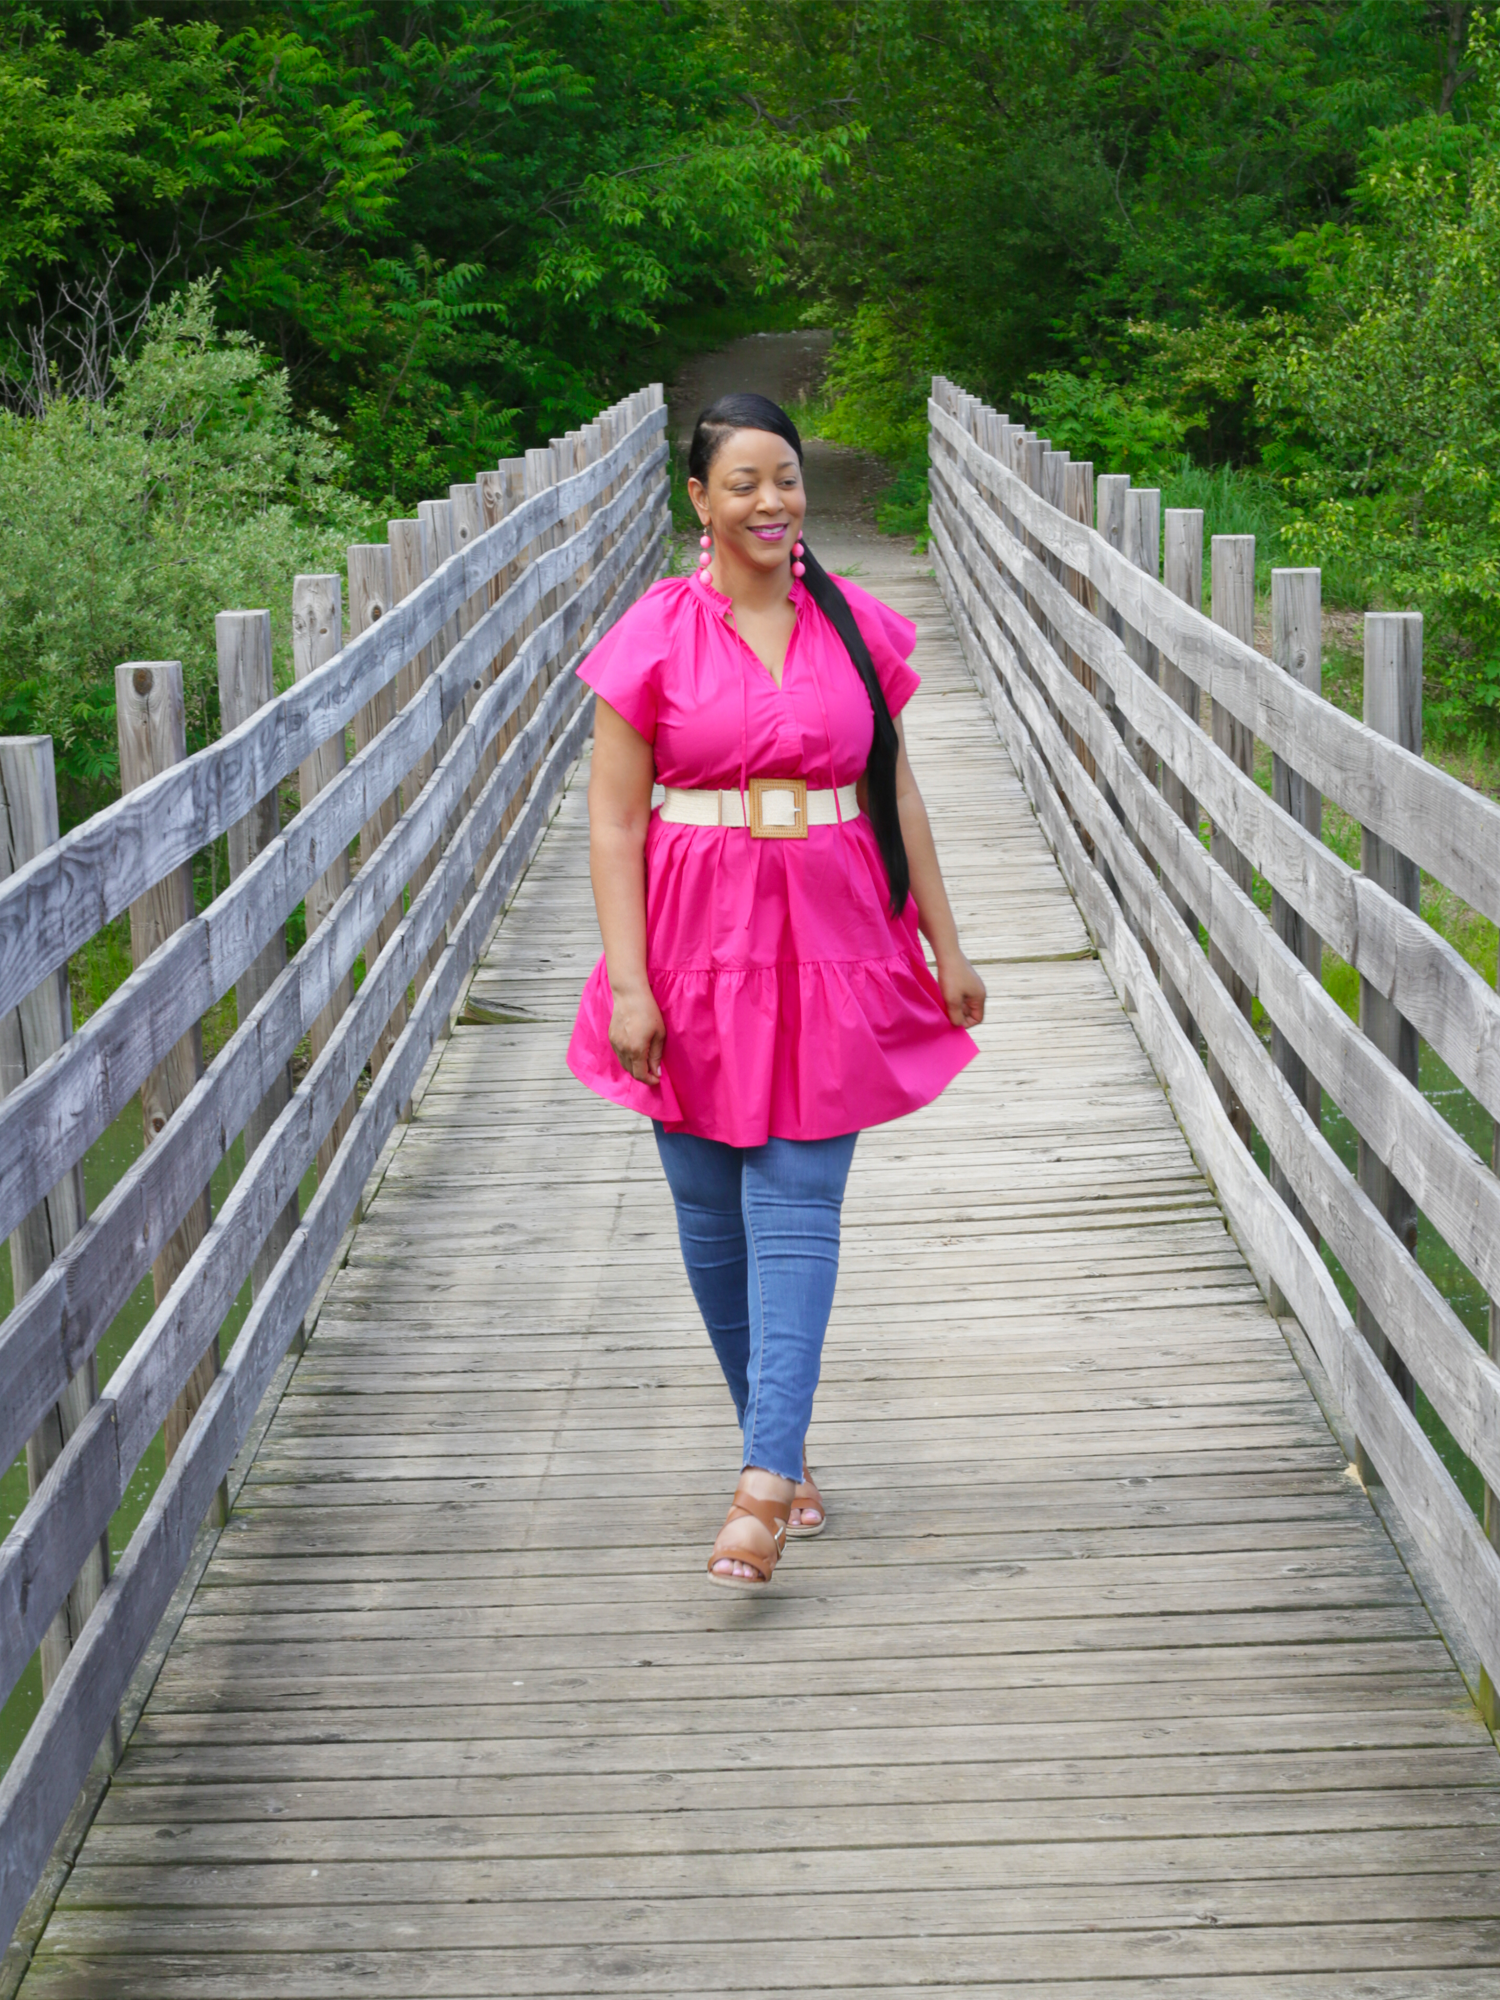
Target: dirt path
(842, 485)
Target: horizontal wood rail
(1094, 669)
(447, 795)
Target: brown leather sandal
(772, 1516)
(807, 1495)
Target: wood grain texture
(1463, 1560)
(243, 640)
(55, 1327)
(42, 1780)
(317, 637)
(1453, 1005)
(30, 1036)
(1297, 648)
(34, 1563)
(1460, 1379)
(97, 870)
(56, 1115)
(151, 728)
(1393, 708)
(1447, 827)
(1080, 1689)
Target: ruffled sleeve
(624, 669)
(890, 638)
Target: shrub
(130, 521)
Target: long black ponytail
(758, 413)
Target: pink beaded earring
(706, 544)
(799, 568)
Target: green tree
(1384, 395)
(130, 522)
(457, 224)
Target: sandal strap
(755, 1559)
(773, 1515)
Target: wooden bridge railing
(1096, 669)
(457, 686)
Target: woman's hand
(637, 1034)
(963, 991)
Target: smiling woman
(763, 995)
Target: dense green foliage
(1246, 249)
(130, 522)
(453, 222)
(1259, 232)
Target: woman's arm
(963, 989)
(620, 781)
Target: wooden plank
(1452, 1004)
(1393, 707)
(1232, 592)
(430, 1686)
(42, 1780)
(29, 1037)
(317, 637)
(151, 726)
(1453, 1370)
(55, 1116)
(243, 642)
(123, 851)
(65, 1314)
(1464, 1560)
(373, 592)
(1447, 827)
(44, 1776)
(1297, 647)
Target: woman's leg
(792, 1193)
(704, 1177)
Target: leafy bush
(130, 522)
(874, 395)
(1106, 423)
(1392, 380)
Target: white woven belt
(778, 808)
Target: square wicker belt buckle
(778, 808)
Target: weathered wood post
(1393, 707)
(29, 1034)
(371, 595)
(1143, 548)
(1232, 605)
(151, 724)
(1489, 1699)
(317, 636)
(1078, 505)
(430, 548)
(1182, 566)
(467, 522)
(243, 640)
(1297, 648)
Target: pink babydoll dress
(796, 1006)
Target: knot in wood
(143, 680)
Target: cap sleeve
(624, 669)
(890, 638)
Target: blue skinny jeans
(759, 1228)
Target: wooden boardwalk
(1105, 1681)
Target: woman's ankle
(767, 1485)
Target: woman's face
(753, 501)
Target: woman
(763, 994)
